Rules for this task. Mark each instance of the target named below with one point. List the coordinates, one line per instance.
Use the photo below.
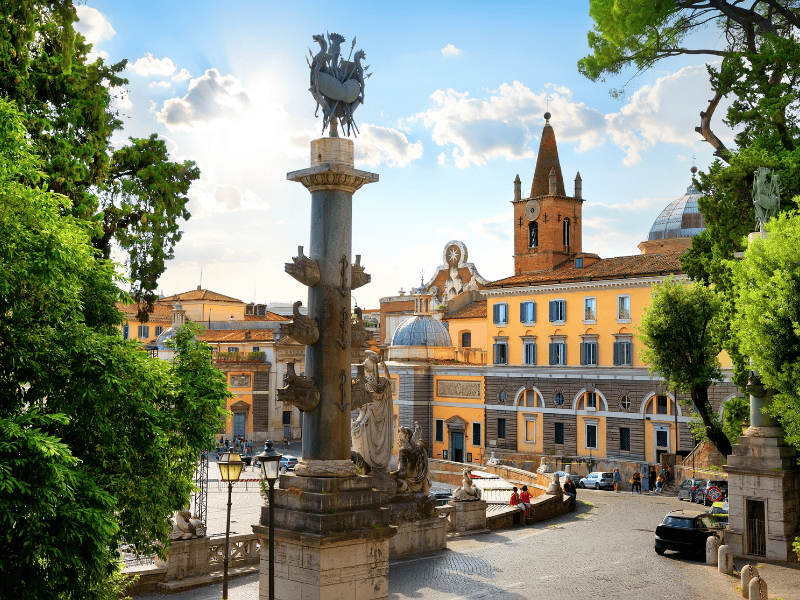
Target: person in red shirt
(525, 503)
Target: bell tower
(547, 224)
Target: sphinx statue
(185, 527)
(468, 490)
(412, 462)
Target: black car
(688, 490)
(686, 531)
(702, 491)
(442, 495)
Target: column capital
(331, 176)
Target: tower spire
(546, 161)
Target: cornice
(625, 282)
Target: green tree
(680, 345)
(98, 440)
(133, 196)
(767, 321)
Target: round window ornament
(502, 396)
(532, 210)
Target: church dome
(422, 330)
(681, 219)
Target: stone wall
(509, 442)
(413, 387)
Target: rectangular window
(662, 438)
(529, 352)
(287, 417)
(625, 439)
(623, 308)
(501, 353)
(558, 311)
(233, 349)
(476, 434)
(661, 405)
(589, 353)
(591, 435)
(530, 430)
(126, 331)
(159, 330)
(500, 313)
(589, 310)
(256, 349)
(559, 433)
(558, 353)
(466, 339)
(623, 353)
(527, 312)
(591, 400)
(144, 332)
(439, 430)
(501, 429)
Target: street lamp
(230, 467)
(270, 461)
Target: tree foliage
(767, 321)
(681, 345)
(132, 196)
(98, 441)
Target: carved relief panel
(458, 389)
(240, 381)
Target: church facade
(562, 373)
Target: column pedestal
(331, 540)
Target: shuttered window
(623, 353)
(527, 312)
(558, 353)
(500, 353)
(529, 352)
(500, 313)
(558, 311)
(589, 353)
(144, 331)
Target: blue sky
(452, 113)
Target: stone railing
(242, 550)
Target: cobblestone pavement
(603, 551)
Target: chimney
(553, 182)
(517, 189)
(578, 186)
(199, 288)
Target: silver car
(597, 479)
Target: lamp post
(230, 467)
(270, 461)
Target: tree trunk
(713, 432)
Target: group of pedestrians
(657, 480)
(239, 444)
(523, 500)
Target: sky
(452, 113)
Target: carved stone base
(765, 432)
(187, 558)
(325, 468)
(468, 517)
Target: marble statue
(555, 485)
(412, 466)
(372, 432)
(468, 491)
(766, 196)
(337, 84)
(185, 527)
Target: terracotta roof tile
(639, 265)
(196, 295)
(229, 336)
(268, 316)
(161, 312)
(473, 310)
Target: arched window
(567, 232)
(533, 234)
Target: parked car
(597, 480)
(288, 463)
(686, 531)
(688, 489)
(563, 475)
(702, 491)
(442, 495)
(720, 511)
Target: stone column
(332, 181)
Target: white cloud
(149, 66)
(451, 50)
(378, 145)
(637, 204)
(93, 24)
(208, 195)
(207, 252)
(442, 159)
(210, 97)
(497, 227)
(161, 84)
(182, 75)
(119, 98)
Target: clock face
(532, 210)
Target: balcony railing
(222, 356)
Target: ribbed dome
(422, 330)
(682, 218)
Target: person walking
(636, 483)
(617, 480)
(652, 478)
(659, 484)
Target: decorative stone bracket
(300, 391)
(304, 269)
(302, 329)
(358, 277)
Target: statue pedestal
(420, 527)
(468, 517)
(331, 540)
(763, 497)
(187, 558)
